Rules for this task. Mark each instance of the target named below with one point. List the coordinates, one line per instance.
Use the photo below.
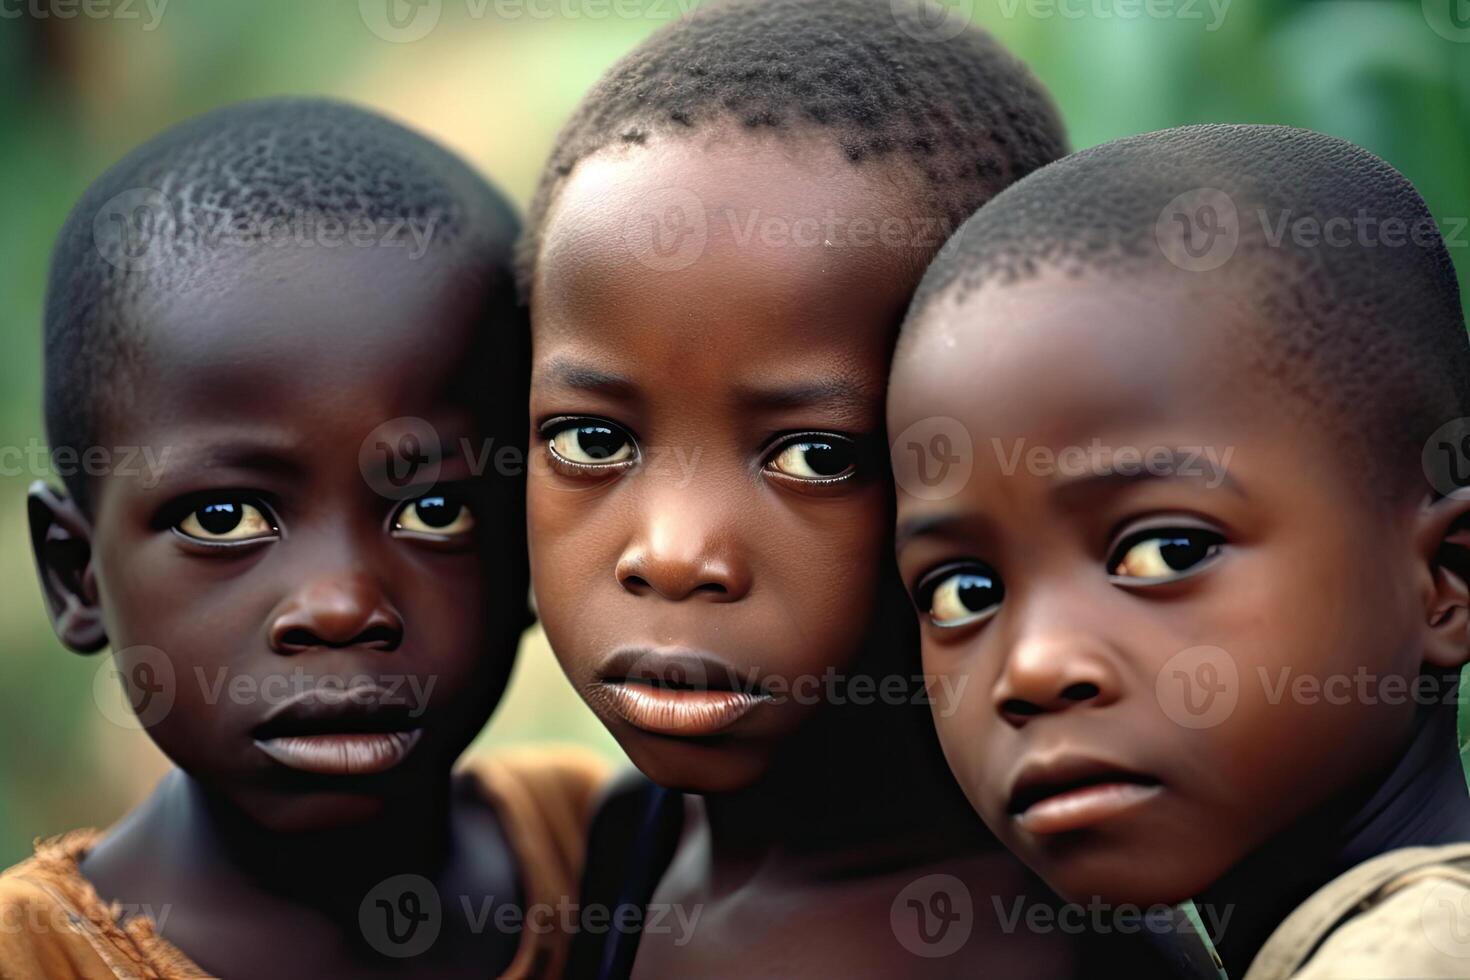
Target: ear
(1443, 537)
(61, 540)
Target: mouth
(1075, 793)
(676, 692)
(331, 731)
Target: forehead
(306, 334)
(772, 244)
(1060, 358)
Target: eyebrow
(1106, 475)
(831, 392)
(575, 374)
(918, 527)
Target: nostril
(299, 639)
(378, 637)
(1017, 708)
(1082, 691)
(635, 582)
(713, 588)
(381, 637)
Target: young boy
(1209, 614)
(308, 312)
(725, 240)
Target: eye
(960, 596)
(1163, 554)
(437, 514)
(819, 458)
(227, 521)
(592, 443)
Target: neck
(190, 840)
(855, 786)
(1421, 801)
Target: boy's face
(265, 566)
(709, 489)
(1152, 552)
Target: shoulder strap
(633, 839)
(1305, 929)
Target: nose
(339, 609)
(683, 554)
(1055, 670)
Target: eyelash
(1211, 540)
(177, 512)
(552, 429)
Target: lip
(366, 709)
(343, 754)
(679, 692)
(1066, 793)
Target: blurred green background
(493, 80)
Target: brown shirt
(54, 925)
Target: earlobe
(1444, 534)
(61, 541)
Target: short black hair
(153, 222)
(951, 105)
(1364, 323)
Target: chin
(306, 813)
(696, 767)
(1143, 881)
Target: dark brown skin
(1297, 568)
(263, 386)
(813, 816)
